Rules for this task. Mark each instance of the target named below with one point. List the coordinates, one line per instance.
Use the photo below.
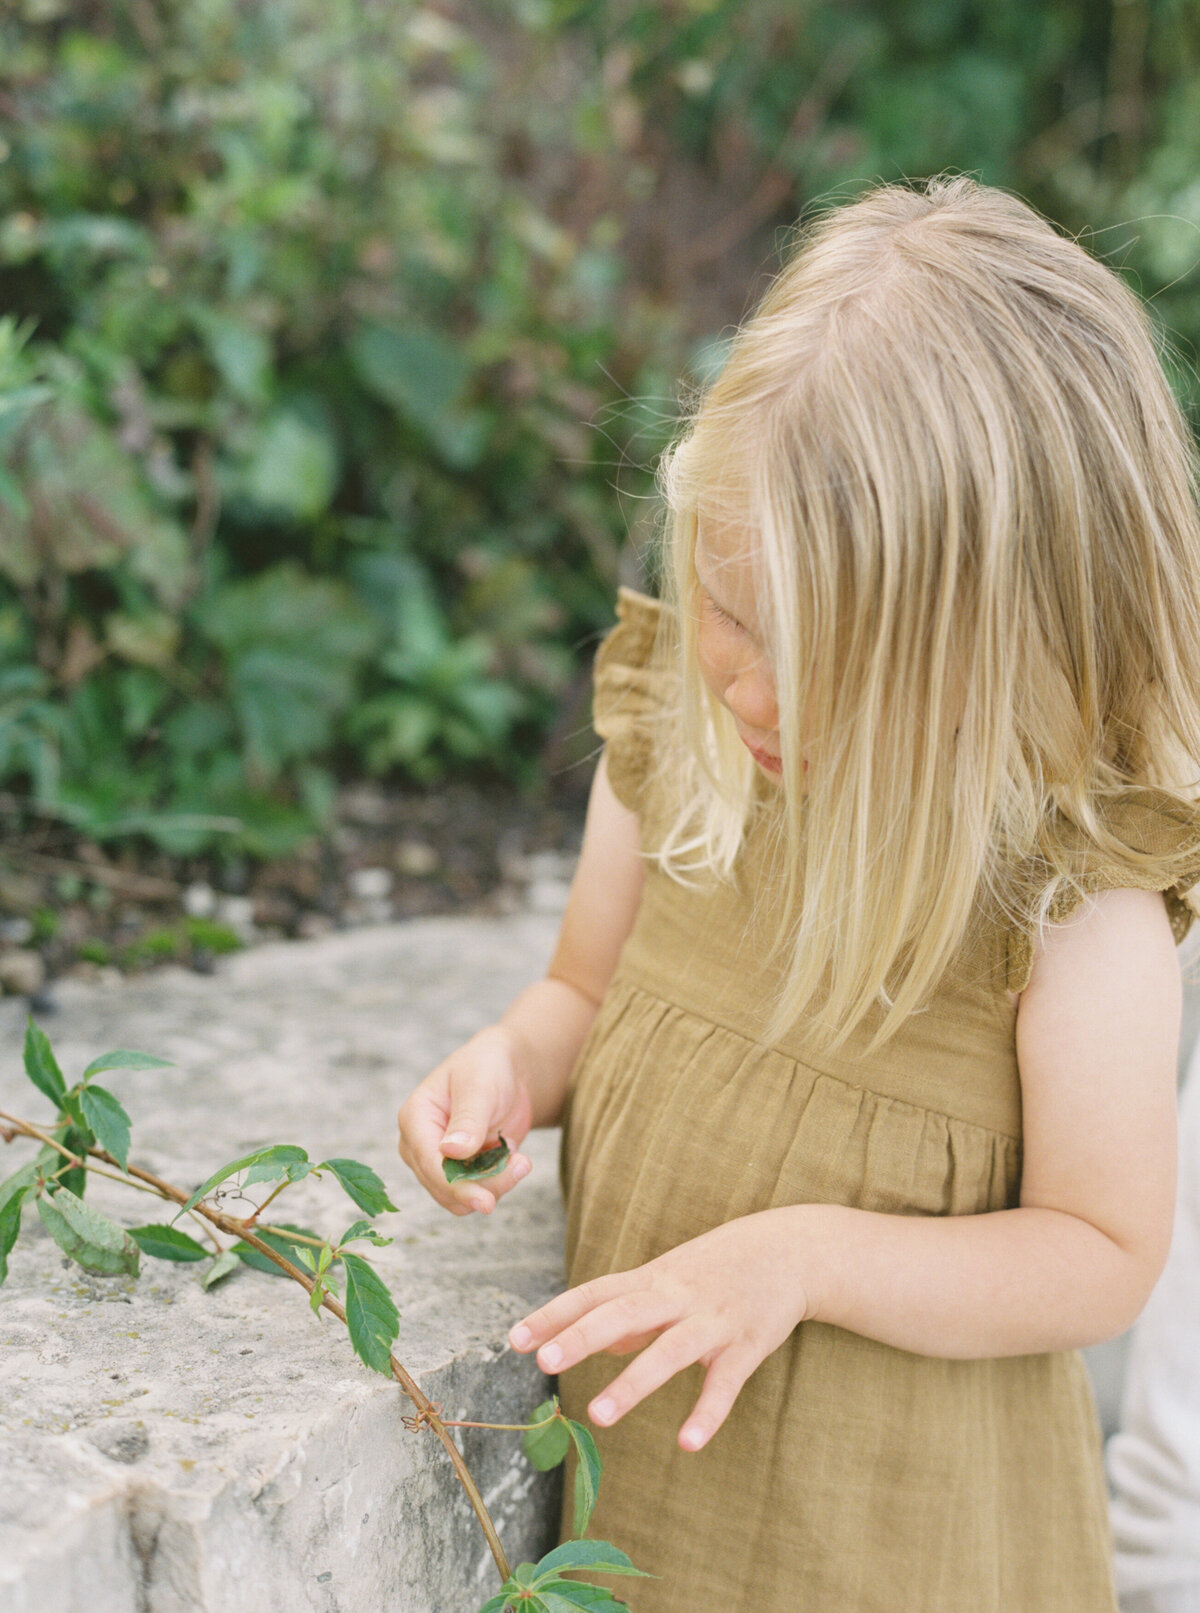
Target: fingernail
(549, 1356)
(480, 1202)
(521, 1167)
(457, 1139)
(693, 1437)
(603, 1411)
(520, 1337)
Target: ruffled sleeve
(1147, 820)
(629, 695)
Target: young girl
(862, 1025)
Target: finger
(722, 1386)
(642, 1311)
(673, 1350)
(422, 1125)
(474, 1117)
(540, 1325)
(517, 1169)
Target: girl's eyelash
(721, 615)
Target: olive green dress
(850, 1477)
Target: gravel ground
(69, 908)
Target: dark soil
(71, 908)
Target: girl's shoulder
(633, 693)
(1158, 849)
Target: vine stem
(425, 1407)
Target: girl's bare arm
(1097, 1044)
(513, 1075)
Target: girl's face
(729, 642)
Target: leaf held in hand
(41, 1066)
(264, 1165)
(288, 1248)
(546, 1447)
(361, 1183)
(91, 1239)
(167, 1243)
(122, 1059)
(371, 1314)
(490, 1162)
(108, 1121)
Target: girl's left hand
(725, 1299)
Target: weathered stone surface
(169, 1450)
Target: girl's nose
(750, 696)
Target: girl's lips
(764, 758)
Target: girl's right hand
(473, 1098)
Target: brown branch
(147, 886)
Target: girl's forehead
(724, 540)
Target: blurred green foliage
(338, 337)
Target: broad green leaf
(220, 1269)
(587, 1475)
(525, 1574)
(581, 1595)
(305, 1256)
(283, 1246)
(264, 1165)
(597, 1556)
(361, 1183)
(23, 1179)
(41, 1066)
(91, 1239)
(122, 1059)
(108, 1120)
(490, 1162)
(167, 1243)
(502, 1601)
(371, 1314)
(546, 1447)
(78, 1141)
(10, 1225)
(363, 1229)
(569, 1599)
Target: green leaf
(581, 1595)
(363, 1229)
(108, 1120)
(91, 1239)
(220, 1269)
(361, 1183)
(588, 1468)
(287, 1247)
(502, 1601)
(41, 1066)
(546, 1447)
(568, 1599)
(595, 1555)
(24, 1178)
(167, 1243)
(122, 1059)
(371, 1314)
(264, 1165)
(10, 1225)
(78, 1141)
(490, 1162)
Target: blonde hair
(973, 501)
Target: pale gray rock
(169, 1450)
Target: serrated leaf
(10, 1225)
(371, 1314)
(78, 1142)
(305, 1256)
(22, 1179)
(91, 1239)
(546, 1447)
(363, 1229)
(581, 1595)
(566, 1601)
(122, 1059)
(263, 1165)
(595, 1555)
(108, 1120)
(167, 1243)
(361, 1183)
(489, 1162)
(588, 1468)
(499, 1603)
(288, 1248)
(220, 1269)
(41, 1066)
